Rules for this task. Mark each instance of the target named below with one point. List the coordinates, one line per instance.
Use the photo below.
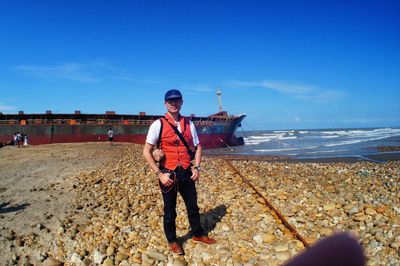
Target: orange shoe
(176, 248)
(204, 239)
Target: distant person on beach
(176, 172)
(15, 136)
(110, 136)
(25, 139)
(19, 139)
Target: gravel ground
(93, 204)
(36, 188)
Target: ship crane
(219, 99)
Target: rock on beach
(116, 212)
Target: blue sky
(286, 64)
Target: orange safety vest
(174, 150)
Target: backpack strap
(160, 134)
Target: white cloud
(92, 72)
(71, 71)
(370, 120)
(298, 91)
(201, 88)
(193, 89)
(6, 108)
(131, 78)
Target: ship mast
(219, 99)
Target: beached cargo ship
(215, 131)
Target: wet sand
(377, 157)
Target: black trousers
(187, 188)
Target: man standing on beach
(110, 136)
(19, 139)
(176, 172)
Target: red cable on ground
(276, 211)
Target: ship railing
(59, 121)
(203, 123)
(77, 122)
(9, 122)
(88, 121)
(36, 121)
(114, 122)
(45, 121)
(142, 122)
(221, 118)
(210, 120)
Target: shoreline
(382, 154)
(375, 157)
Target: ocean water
(314, 143)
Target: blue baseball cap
(172, 94)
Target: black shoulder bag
(191, 153)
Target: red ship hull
(215, 131)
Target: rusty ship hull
(215, 131)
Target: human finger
(195, 176)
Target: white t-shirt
(154, 132)
(110, 133)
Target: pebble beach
(96, 204)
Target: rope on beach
(275, 210)
(291, 228)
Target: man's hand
(195, 174)
(165, 180)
